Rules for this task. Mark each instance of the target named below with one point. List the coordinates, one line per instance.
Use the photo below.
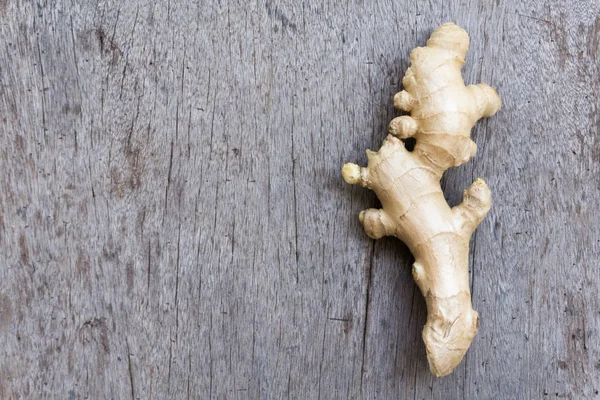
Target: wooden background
(173, 223)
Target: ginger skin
(442, 112)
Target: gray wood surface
(173, 223)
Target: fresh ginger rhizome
(442, 112)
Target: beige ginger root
(442, 112)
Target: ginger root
(442, 112)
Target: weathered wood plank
(173, 223)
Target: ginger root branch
(442, 113)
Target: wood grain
(173, 223)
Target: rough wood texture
(173, 223)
